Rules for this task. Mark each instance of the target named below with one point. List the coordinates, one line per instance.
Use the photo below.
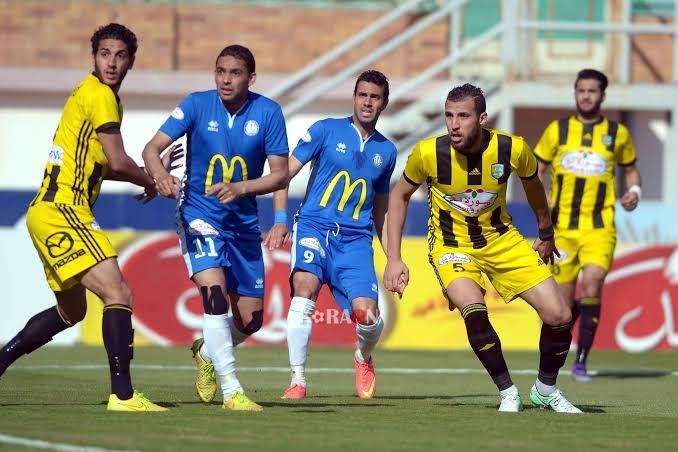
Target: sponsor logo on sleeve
(177, 113)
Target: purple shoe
(579, 373)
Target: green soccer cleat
(556, 401)
(205, 378)
(240, 402)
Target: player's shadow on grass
(432, 397)
(640, 373)
(322, 405)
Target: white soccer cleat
(510, 403)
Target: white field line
(313, 370)
(40, 444)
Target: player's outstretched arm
(536, 196)
(397, 275)
(122, 166)
(279, 235)
(166, 184)
(631, 198)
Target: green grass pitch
(58, 395)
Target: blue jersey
(346, 174)
(221, 147)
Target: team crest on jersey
(213, 126)
(377, 160)
(471, 201)
(584, 163)
(56, 155)
(201, 227)
(312, 243)
(341, 147)
(455, 258)
(607, 140)
(251, 128)
(497, 170)
(177, 113)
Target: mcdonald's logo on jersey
(227, 169)
(349, 188)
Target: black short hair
(115, 31)
(588, 74)
(466, 91)
(241, 53)
(375, 77)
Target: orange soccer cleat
(365, 380)
(295, 391)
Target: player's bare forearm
(536, 197)
(275, 181)
(542, 171)
(398, 201)
(379, 214)
(151, 155)
(631, 176)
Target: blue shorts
(344, 262)
(207, 245)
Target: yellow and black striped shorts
(68, 239)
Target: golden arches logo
(227, 169)
(349, 188)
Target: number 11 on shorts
(211, 251)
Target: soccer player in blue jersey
(231, 133)
(347, 196)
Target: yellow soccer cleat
(240, 402)
(138, 402)
(205, 379)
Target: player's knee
(214, 300)
(305, 285)
(558, 316)
(365, 313)
(254, 324)
(73, 314)
(119, 294)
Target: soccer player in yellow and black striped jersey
(75, 253)
(582, 151)
(470, 231)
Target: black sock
(588, 324)
(576, 311)
(39, 330)
(486, 344)
(554, 343)
(119, 340)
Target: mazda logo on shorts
(59, 244)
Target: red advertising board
(168, 309)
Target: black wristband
(546, 234)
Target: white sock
(299, 325)
(507, 391)
(544, 389)
(237, 337)
(219, 345)
(368, 336)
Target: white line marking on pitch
(39, 444)
(316, 370)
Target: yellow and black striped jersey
(77, 164)
(583, 184)
(467, 192)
